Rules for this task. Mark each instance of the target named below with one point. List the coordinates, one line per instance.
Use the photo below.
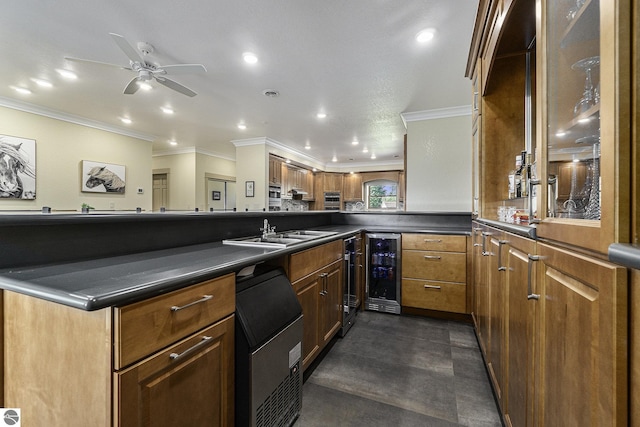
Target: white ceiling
(357, 60)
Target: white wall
(252, 164)
(60, 148)
(439, 165)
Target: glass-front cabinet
(581, 71)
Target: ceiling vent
(271, 93)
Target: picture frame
(100, 177)
(215, 195)
(249, 188)
(18, 158)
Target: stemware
(589, 95)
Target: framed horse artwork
(102, 177)
(17, 168)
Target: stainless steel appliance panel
(350, 301)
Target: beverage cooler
(383, 273)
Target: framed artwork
(17, 168)
(100, 177)
(249, 188)
(215, 195)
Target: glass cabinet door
(583, 118)
(573, 109)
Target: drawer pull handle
(433, 240)
(203, 299)
(176, 356)
(432, 257)
(432, 287)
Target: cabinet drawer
(147, 326)
(431, 265)
(306, 262)
(433, 295)
(434, 242)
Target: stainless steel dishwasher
(268, 351)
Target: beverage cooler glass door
(383, 273)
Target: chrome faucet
(267, 229)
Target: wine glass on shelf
(589, 95)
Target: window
(382, 195)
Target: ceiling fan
(146, 70)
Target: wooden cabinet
(333, 182)
(434, 272)
(316, 275)
(138, 365)
(582, 338)
(352, 187)
(275, 170)
(309, 186)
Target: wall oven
(332, 201)
(275, 201)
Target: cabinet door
(331, 301)
(308, 292)
(497, 313)
(582, 334)
(481, 288)
(585, 82)
(519, 395)
(190, 383)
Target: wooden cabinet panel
(145, 327)
(331, 301)
(189, 383)
(519, 393)
(308, 293)
(275, 170)
(582, 340)
(434, 242)
(442, 266)
(352, 187)
(333, 182)
(306, 262)
(497, 315)
(434, 295)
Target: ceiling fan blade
(126, 47)
(175, 86)
(69, 58)
(182, 69)
(132, 87)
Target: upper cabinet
(275, 171)
(352, 187)
(584, 122)
(551, 137)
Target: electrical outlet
(140, 190)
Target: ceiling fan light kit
(146, 71)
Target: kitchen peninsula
(90, 292)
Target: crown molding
(439, 113)
(193, 150)
(70, 118)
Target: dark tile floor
(398, 371)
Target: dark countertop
(118, 280)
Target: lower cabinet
(165, 361)
(317, 278)
(552, 325)
(434, 272)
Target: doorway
(160, 196)
(221, 194)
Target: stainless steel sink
(279, 240)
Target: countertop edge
(625, 254)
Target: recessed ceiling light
(365, 150)
(373, 156)
(167, 110)
(250, 58)
(355, 142)
(425, 35)
(242, 126)
(335, 159)
(145, 86)
(576, 160)
(67, 74)
(42, 83)
(351, 172)
(172, 142)
(315, 170)
(307, 147)
(287, 161)
(321, 115)
(125, 120)
(22, 90)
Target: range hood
(296, 191)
